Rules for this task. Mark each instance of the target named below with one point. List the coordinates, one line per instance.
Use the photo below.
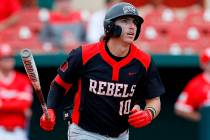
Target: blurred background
(174, 33)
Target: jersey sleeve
(187, 99)
(152, 85)
(70, 70)
(68, 74)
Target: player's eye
(124, 20)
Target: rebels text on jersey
(108, 89)
(111, 89)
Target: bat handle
(44, 109)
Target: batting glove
(140, 118)
(48, 125)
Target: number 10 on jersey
(124, 107)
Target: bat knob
(25, 53)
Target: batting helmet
(205, 57)
(120, 10)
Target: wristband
(153, 111)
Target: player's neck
(118, 48)
(5, 73)
(6, 76)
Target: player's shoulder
(76, 51)
(21, 77)
(90, 50)
(19, 74)
(196, 81)
(198, 78)
(142, 56)
(92, 47)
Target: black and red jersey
(108, 89)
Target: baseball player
(196, 94)
(15, 98)
(112, 77)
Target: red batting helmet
(5, 50)
(205, 57)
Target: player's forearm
(55, 95)
(58, 90)
(193, 116)
(154, 103)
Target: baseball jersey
(16, 98)
(195, 94)
(108, 89)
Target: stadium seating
(200, 20)
(162, 28)
(162, 32)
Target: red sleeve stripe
(59, 81)
(77, 98)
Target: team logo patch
(131, 73)
(64, 67)
(129, 9)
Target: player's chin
(129, 40)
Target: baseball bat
(31, 70)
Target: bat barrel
(31, 70)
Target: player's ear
(117, 30)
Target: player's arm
(154, 105)
(57, 91)
(193, 115)
(141, 117)
(184, 107)
(68, 73)
(152, 88)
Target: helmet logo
(129, 10)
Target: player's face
(128, 25)
(7, 63)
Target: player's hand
(48, 125)
(140, 118)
